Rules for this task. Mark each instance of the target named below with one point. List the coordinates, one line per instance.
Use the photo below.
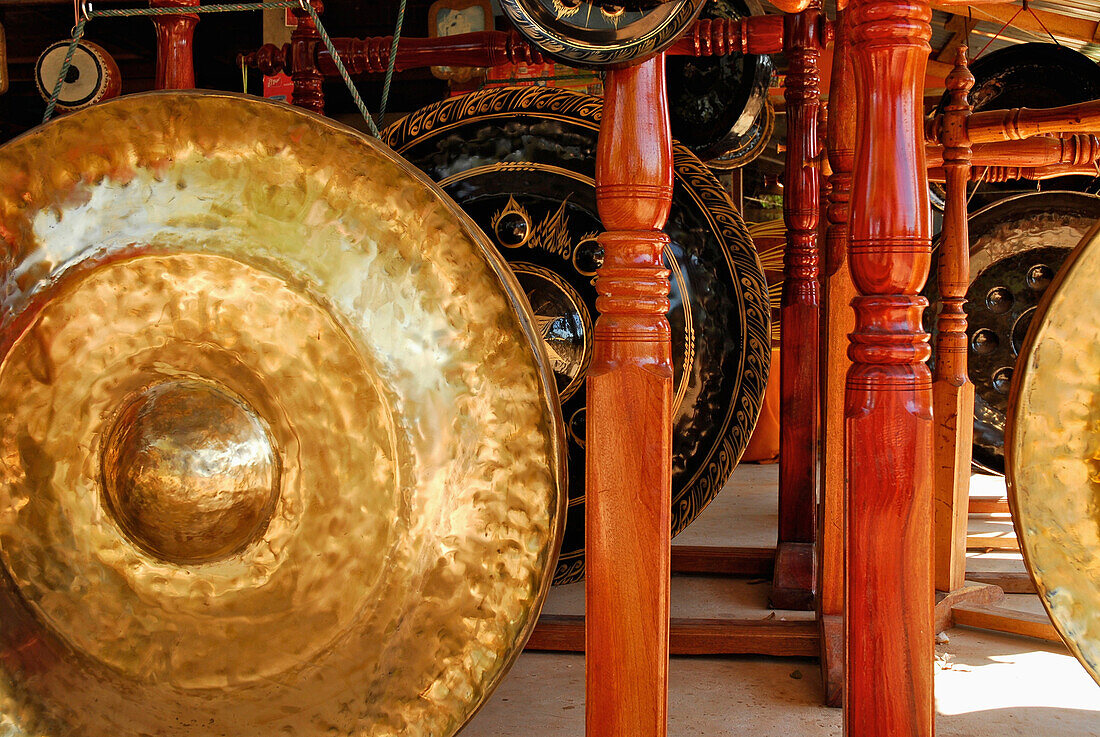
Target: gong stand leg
(799, 354)
(838, 322)
(175, 42)
(629, 427)
(305, 75)
(888, 607)
(952, 392)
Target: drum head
(521, 162)
(1017, 245)
(1053, 452)
(280, 452)
(92, 75)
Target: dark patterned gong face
(1017, 245)
(521, 163)
(593, 33)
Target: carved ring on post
(585, 33)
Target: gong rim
(561, 126)
(593, 48)
(209, 132)
(1031, 230)
(1051, 459)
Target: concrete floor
(986, 684)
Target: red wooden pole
(175, 38)
(800, 340)
(629, 428)
(888, 608)
(307, 79)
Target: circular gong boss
(521, 162)
(1052, 452)
(1017, 245)
(280, 454)
(593, 34)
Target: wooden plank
(628, 469)
(888, 403)
(992, 541)
(782, 638)
(968, 594)
(1011, 582)
(987, 505)
(1011, 621)
(723, 561)
(1063, 26)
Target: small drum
(92, 76)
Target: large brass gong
(280, 454)
(1052, 451)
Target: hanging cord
(87, 13)
(1039, 20)
(393, 60)
(308, 7)
(1001, 30)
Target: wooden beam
(1011, 582)
(753, 562)
(1063, 26)
(1010, 621)
(775, 637)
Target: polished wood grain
(1017, 123)
(307, 79)
(952, 392)
(628, 471)
(800, 338)
(761, 34)
(175, 45)
(1011, 582)
(774, 637)
(1074, 149)
(1009, 173)
(723, 561)
(838, 321)
(1010, 621)
(969, 594)
(888, 607)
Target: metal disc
(1053, 452)
(1016, 247)
(280, 452)
(716, 103)
(593, 34)
(521, 162)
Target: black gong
(1033, 75)
(1017, 245)
(521, 162)
(719, 104)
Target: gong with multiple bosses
(1052, 452)
(1017, 245)
(281, 451)
(521, 162)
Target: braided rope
(393, 60)
(78, 32)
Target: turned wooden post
(837, 324)
(952, 392)
(888, 608)
(175, 40)
(799, 353)
(629, 429)
(305, 75)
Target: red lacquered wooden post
(175, 37)
(952, 392)
(800, 344)
(307, 78)
(629, 429)
(837, 324)
(888, 609)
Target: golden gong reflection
(190, 472)
(281, 451)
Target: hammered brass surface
(1052, 452)
(281, 454)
